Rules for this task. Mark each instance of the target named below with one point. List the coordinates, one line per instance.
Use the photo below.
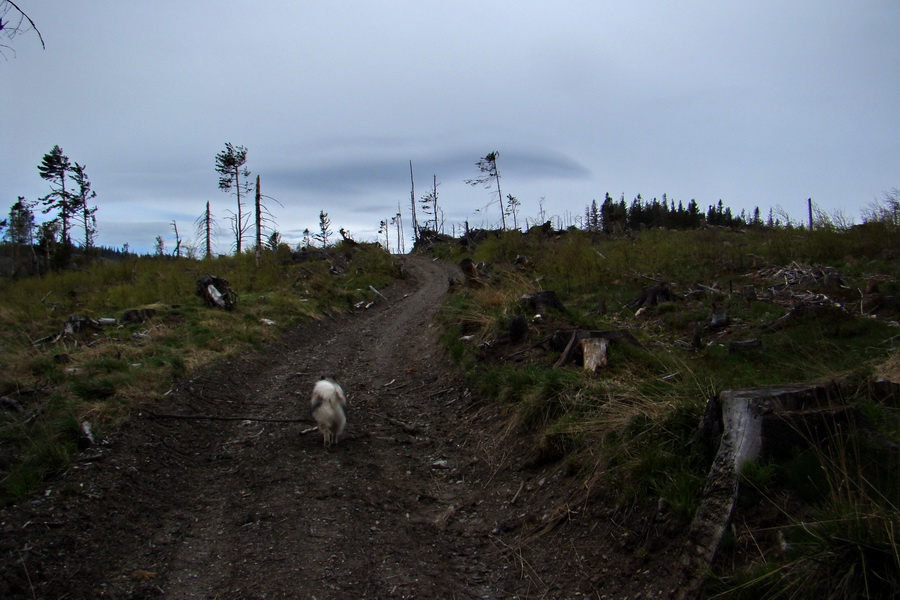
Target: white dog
(328, 404)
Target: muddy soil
(430, 494)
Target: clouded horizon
(757, 104)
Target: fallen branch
(155, 415)
(540, 342)
(379, 293)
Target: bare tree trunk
(208, 232)
(435, 207)
(412, 199)
(401, 244)
(500, 198)
(177, 252)
(258, 220)
(239, 223)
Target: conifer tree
(233, 174)
(55, 168)
(20, 233)
(81, 197)
(324, 228)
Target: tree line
(37, 248)
(51, 245)
(615, 216)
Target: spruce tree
(81, 197)
(55, 168)
(20, 234)
(233, 173)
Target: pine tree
(20, 234)
(274, 241)
(512, 209)
(86, 214)
(55, 168)
(233, 173)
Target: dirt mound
(419, 500)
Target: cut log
(595, 353)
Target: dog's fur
(328, 402)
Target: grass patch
(636, 418)
(101, 375)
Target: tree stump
(470, 273)
(653, 295)
(572, 344)
(216, 292)
(518, 329)
(756, 422)
(561, 337)
(595, 351)
(541, 301)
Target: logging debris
(216, 292)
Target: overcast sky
(762, 103)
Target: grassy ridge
(632, 426)
(50, 386)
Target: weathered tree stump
(518, 329)
(470, 273)
(571, 343)
(595, 351)
(756, 422)
(561, 337)
(653, 295)
(216, 292)
(720, 318)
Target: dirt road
(410, 504)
